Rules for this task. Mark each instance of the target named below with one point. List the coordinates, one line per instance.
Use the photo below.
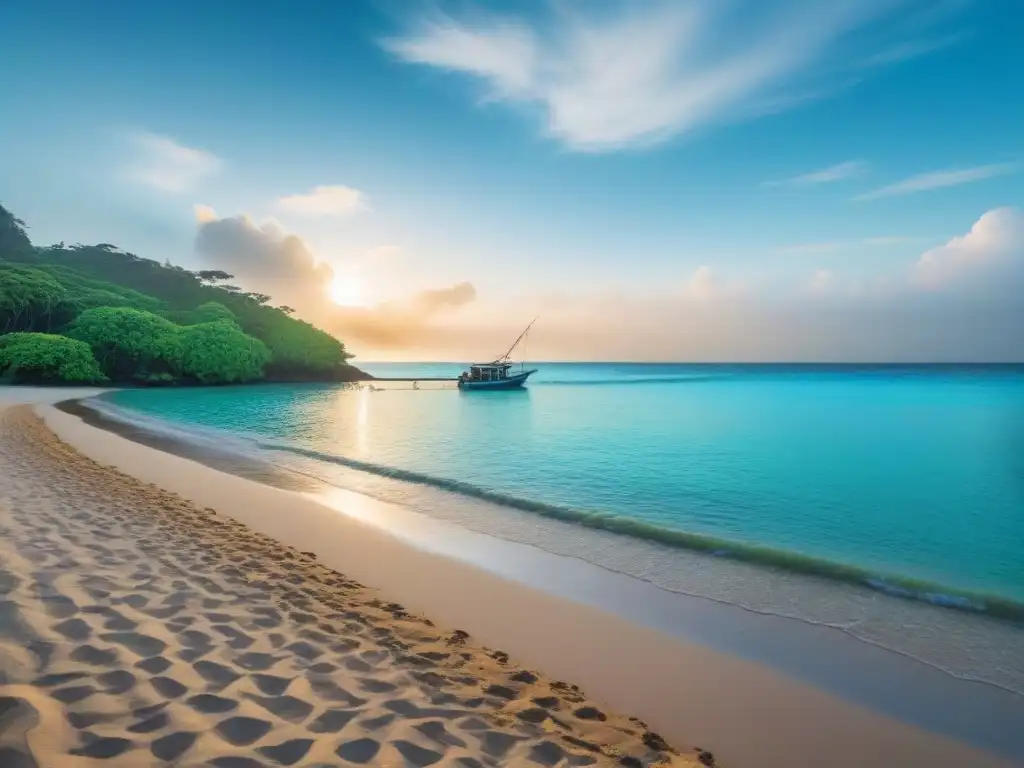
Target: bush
(212, 311)
(220, 353)
(129, 343)
(44, 357)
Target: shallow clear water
(914, 472)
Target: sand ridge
(138, 629)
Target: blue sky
(684, 161)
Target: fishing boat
(497, 374)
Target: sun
(347, 291)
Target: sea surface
(887, 501)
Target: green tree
(47, 358)
(213, 275)
(28, 298)
(84, 292)
(220, 353)
(12, 233)
(130, 343)
(212, 311)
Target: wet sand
(743, 712)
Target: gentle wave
(895, 585)
(211, 437)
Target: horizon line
(704, 362)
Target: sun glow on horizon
(348, 291)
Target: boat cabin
(489, 372)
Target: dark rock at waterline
(654, 741)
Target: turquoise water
(909, 478)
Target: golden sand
(137, 629)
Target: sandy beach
(157, 611)
(140, 629)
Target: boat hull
(512, 382)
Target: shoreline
(938, 595)
(678, 687)
(973, 649)
(942, 595)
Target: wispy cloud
(912, 49)
(326, 200)
(823, 176)
(811, 249)
(891, 240)
(940, 180)
(835, 246)
(167, 165)
(650, 70)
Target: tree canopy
(12, 233)
(220, 353)
(213, 311)
(45, 357)
(139, 318)
(28, 297)
(129, 343)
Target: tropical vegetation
(96, 313)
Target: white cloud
(651, 70)
(164, 164)
(986, 264)
(325, 200)
(823, 176)
(706, 285)
(204, 213)
(994, 244)
(963, 301)
(940, 180)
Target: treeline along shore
(96, 314)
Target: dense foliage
(30, 297)
(156, 323)
(130, 343)
(13, 238)
(220, 353)
(45, 357)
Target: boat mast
(505, 357)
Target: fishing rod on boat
(515, 344)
